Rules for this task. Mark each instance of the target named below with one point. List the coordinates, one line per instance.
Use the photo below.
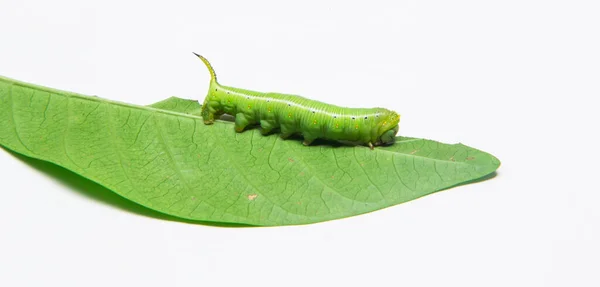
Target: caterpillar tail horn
(208, 113)
(213, 75)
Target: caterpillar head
(388, 129)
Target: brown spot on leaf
(193, 198)
(301, 174)
(252, 196)
(332, 177)
(452, 158)
(414, 151)
(290, 159)
(470, 158)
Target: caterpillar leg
(208, 115)
(286, 132)
(307, 142)
(241, 122)
(266, 127)
(308, 139)
(371, 146)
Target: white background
(514, 78)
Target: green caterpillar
(297, 115)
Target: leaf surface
(163, 157)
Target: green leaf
(165, 158)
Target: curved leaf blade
(165, 158)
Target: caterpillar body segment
(292, 114)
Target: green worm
(293, 114)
